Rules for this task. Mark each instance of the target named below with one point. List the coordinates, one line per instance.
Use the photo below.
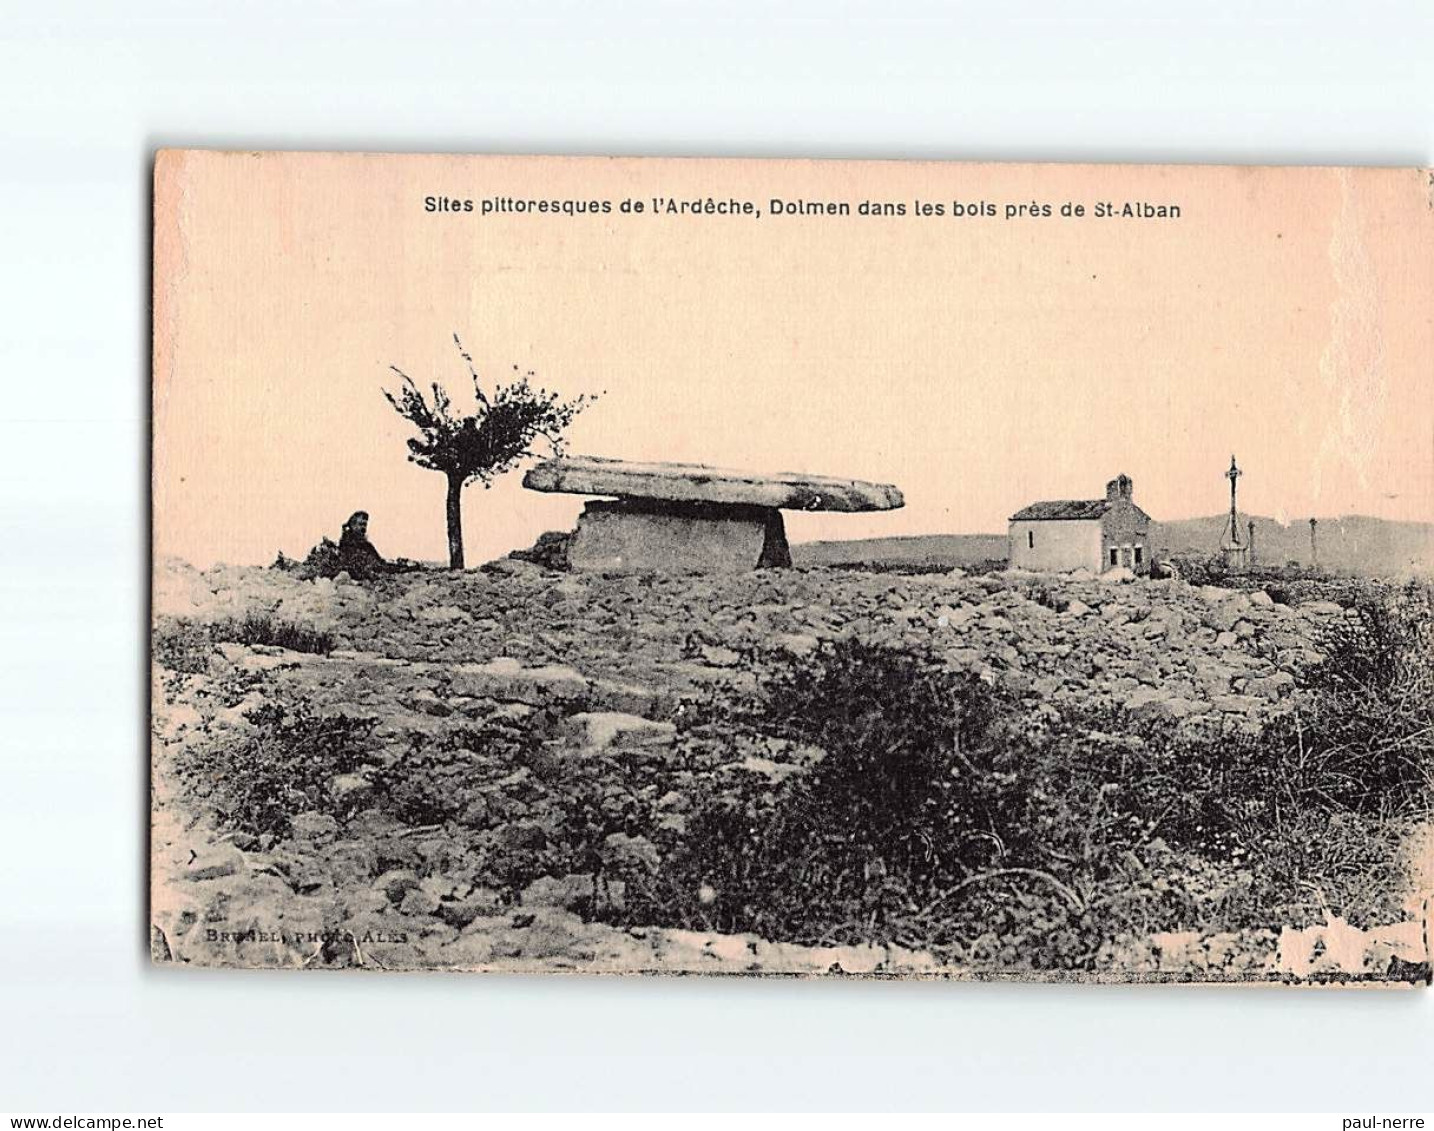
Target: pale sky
(978, 363)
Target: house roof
(1063, 508)
(1056, 509)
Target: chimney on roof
(1119, 488)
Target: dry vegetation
(789, 771)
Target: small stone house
(1093, 534)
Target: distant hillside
(928, 550)
(1356, 544)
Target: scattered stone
(550, 550)
(1017, 683)
(774, 772)
(628, 698)
(258, 658)
(417, 901)
(442, 614)
(481, 903)
(604, 730)
(396, 884)
(440, 887)
(720, 657)
(599, 662)
(216, 861)
(1272, 686)
(575, 892)
(513, 567)
(1221, 617)
(1157, 704)
(1235, 704)
(314, 826)
(425, 702)
(507, 680)
(352, 789)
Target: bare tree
(484, 444)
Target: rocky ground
(604, 668)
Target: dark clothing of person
(354, 555)
(358, 557)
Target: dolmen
(690, 518)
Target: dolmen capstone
(690, 518)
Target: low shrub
(260, 628)
(866, 793)
(181, 645)
(258, 781)
(939, 816)
(438, 781)
(185, 645)
(936, 817)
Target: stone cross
(1233, 474)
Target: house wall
(1123, 529)
(1060, 544)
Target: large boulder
(697, 483)
(689, 518)
(638, 535)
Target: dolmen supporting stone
(690, 518)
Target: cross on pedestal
(1233, 474)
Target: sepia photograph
(744, 567)
(811, 558)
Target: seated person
(354, 555)
(357, 555)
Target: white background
(88, 91)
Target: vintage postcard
(901, 569)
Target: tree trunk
(454, 514)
